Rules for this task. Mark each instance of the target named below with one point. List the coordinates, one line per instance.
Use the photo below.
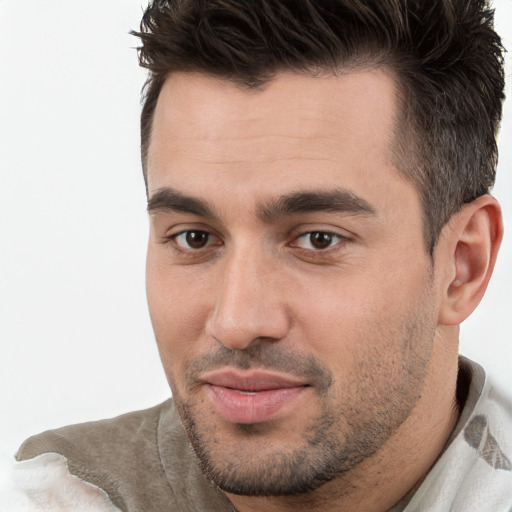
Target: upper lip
(252, 380)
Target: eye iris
(196, 239)
(320, 240)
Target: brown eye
(196, 239)
(193, 239)
(320, 240)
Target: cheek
(178, 312)
(353, 318)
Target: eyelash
(191, 252)
(171, 240)
(329, 234)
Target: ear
(468, 251)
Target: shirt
(143, 462)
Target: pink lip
(251, 397)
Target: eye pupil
(320, 240)
(196, 239)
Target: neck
(380, 481)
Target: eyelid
(180, 240)
(340, 239)
(183, 251)
(174, 237)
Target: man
(318, 179)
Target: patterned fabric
(143, 462)
(478, 435)
(474, 472)
(45, 484)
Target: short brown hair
(446, 56)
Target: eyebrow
(335, 200)
(167, 199)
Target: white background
(75, 338)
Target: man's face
(291, 295)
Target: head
(317, 177)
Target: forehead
(305, 97)
(297, 132)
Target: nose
(249, 302)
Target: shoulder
(118, 455)
(45, 483)
(102, 439)
(138, 461)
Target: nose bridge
(248, 303)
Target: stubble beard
(335, 441)
(287, 472)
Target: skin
(364, 319)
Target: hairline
(404, 133)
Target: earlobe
(471, 244)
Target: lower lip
(238, 407)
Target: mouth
(251, 397)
